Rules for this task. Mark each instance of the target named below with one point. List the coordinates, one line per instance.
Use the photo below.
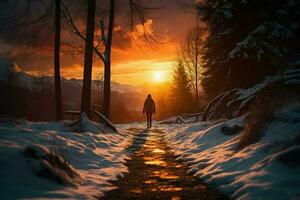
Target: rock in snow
(50, 165)
(36, 151)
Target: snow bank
(93, 157)
(268, 169)
(235, 102)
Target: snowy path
(155, 174)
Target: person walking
(149, 109)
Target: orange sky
(135, 64)
(131, 64)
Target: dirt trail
(155, 174)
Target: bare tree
(107, 53)
(191, 52)
(88, 59)
(102, 47)
(75, 30)
(57, 83)
(41, 81)
(24, 18)
(99, 87)
(86, 92)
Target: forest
(150, 99)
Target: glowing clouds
(141, 30)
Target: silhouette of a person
(149, 108)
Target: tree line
(233, 43)
(239, 44)
(28, 14)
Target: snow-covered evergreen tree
(248, 40)
(181, 96)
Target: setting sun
(150, 99)
(159, 76)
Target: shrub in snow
(218, 108)
(47, 164)
(261, 111)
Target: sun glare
(159, 76)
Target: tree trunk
(197, 72)
(196, 88)
(196, 76)
(58, 100)
(88, 59)
(197, 96)
(107, 64)
(106, 92)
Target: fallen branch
(179, 120)
(106, 121)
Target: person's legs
(150, 119)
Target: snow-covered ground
(268, 169)
(95, 154)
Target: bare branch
(68, 17)
(185, 6)
(139, 15)
(191, 51)
(72, 49)
(103, 36)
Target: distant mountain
(32, 97)
(11, 71)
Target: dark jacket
(149, 106)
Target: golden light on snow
(157, 150)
